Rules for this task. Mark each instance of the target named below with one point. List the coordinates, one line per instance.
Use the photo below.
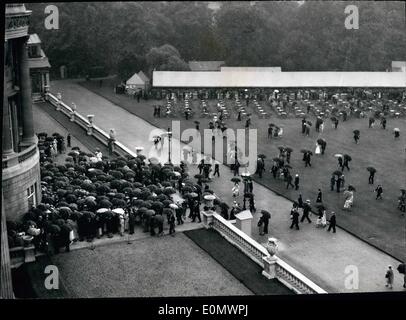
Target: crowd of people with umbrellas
(91, 196)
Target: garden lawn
(378, 222)
(149, 267)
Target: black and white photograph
(218, 150)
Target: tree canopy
(126, 37)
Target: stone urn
(90, 117)
(209, 200)
(272, 246)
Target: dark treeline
(126, 37)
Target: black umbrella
(235, 180)
(348, 157)
(402, 268)
(371, 169)
(338, 173)
(356, 132)
(266, 213)
(320, 141)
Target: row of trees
(125, 37)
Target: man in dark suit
(319, 197)
(295, 218)
(265, 219)
(296, 182)
(306, 211)
(332, 182)
(289, 179)
(332, 222)
(371, 177)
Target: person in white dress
(318, 149)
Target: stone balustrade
(274, 267)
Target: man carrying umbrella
(371, 175)
(266, 216)
(306, 211)
(347, 159)
(356, 136)
(332, 222)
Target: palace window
(31, 196)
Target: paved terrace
(323, 257)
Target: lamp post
(245, 175)
(169, 133)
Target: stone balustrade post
(269, 267)
(58, 103)
(207, 218)
(72, 115)
(90, 117)
(244, 221)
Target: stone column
(7, 130)
(6, 285)
(25, 85)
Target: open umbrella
(235, 180)
(320, 141)
(356, 132)
(287, 166)
(371, 169)
(194, 195)
(338, 155)
(338, 173)
(351, 188)
(266, 213)
(119, 211)
(209, 197)
(402, 268)
(348, 157)
(173, 206)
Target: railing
(82, 121)
(17, 256)
(293, 279)
(234, 235)
(285, 273)
(19, 157)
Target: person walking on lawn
(266, 216)
(379, 191)
(296, 182)
(294, 214)
(306, 211)
(319, 197)
(332, 222)
(289, 180)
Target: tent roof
(252, 69)
(135, 80)
(205, 65)
(245, 79)
(40, 62)
(143, 76)
(33, 39)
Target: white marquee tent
(248, 79)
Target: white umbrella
(173, 206)
(102, 210)
(177, 173)
(118, 211)
(338, 155)
(209, 197)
